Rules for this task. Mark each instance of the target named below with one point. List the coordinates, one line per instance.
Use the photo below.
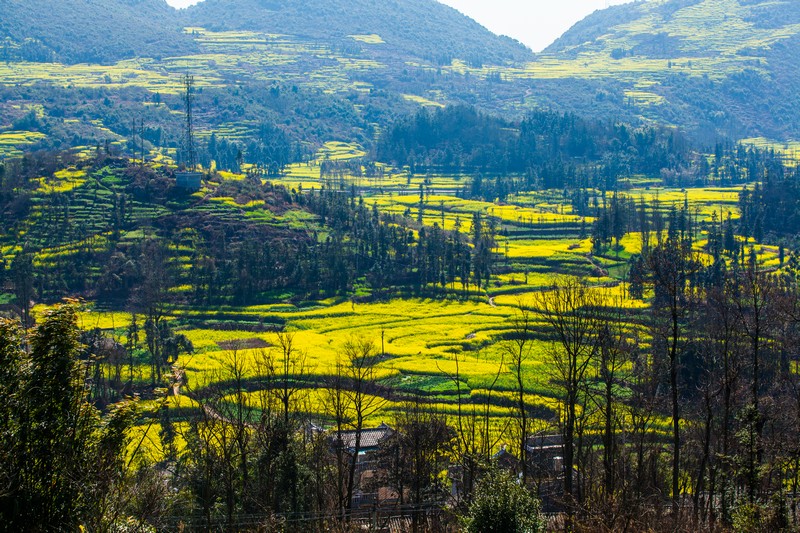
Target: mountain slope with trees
(672, 62)
(104, 31)
(418, 28)
(89, 31)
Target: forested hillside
(413, 28)
(251, 120)
(105, 31)
(89, 31)
(551, 150)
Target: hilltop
(694, 28)
(724, 66)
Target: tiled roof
(545, 442)
(370, 438)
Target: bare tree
(351, 400)
(672, 264)
(415, 454)
(337, 409)
(23, 277)
(475, 439)
(720, 349)
(571, 310)
(644, 487)
(617, 344)
(755, 302)
(290, 371)
(281, 373)
(151, 298)
(238, 413)
(220, 439)
(518, 351)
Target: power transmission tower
(188, 177)
(141, 139)
(189, 152)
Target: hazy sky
(536, 23)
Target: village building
(369, 491)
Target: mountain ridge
(104, 31)
(445, 32)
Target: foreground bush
(501, 505)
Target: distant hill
(105, 31)
(419, 28)
(345, 70)
(724, 66)
(89, 31)
(684, 28)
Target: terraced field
(447, 349)
(13, 142)
(423, 343)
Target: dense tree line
(548, 150)
(238, 262)
(546, 147)
(770, 208)
(61, 465)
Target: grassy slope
(728, 66)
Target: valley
(420, 267)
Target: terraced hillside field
(449, 347)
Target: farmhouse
(367, 493)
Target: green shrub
(501, 505)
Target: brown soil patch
(243, 344)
